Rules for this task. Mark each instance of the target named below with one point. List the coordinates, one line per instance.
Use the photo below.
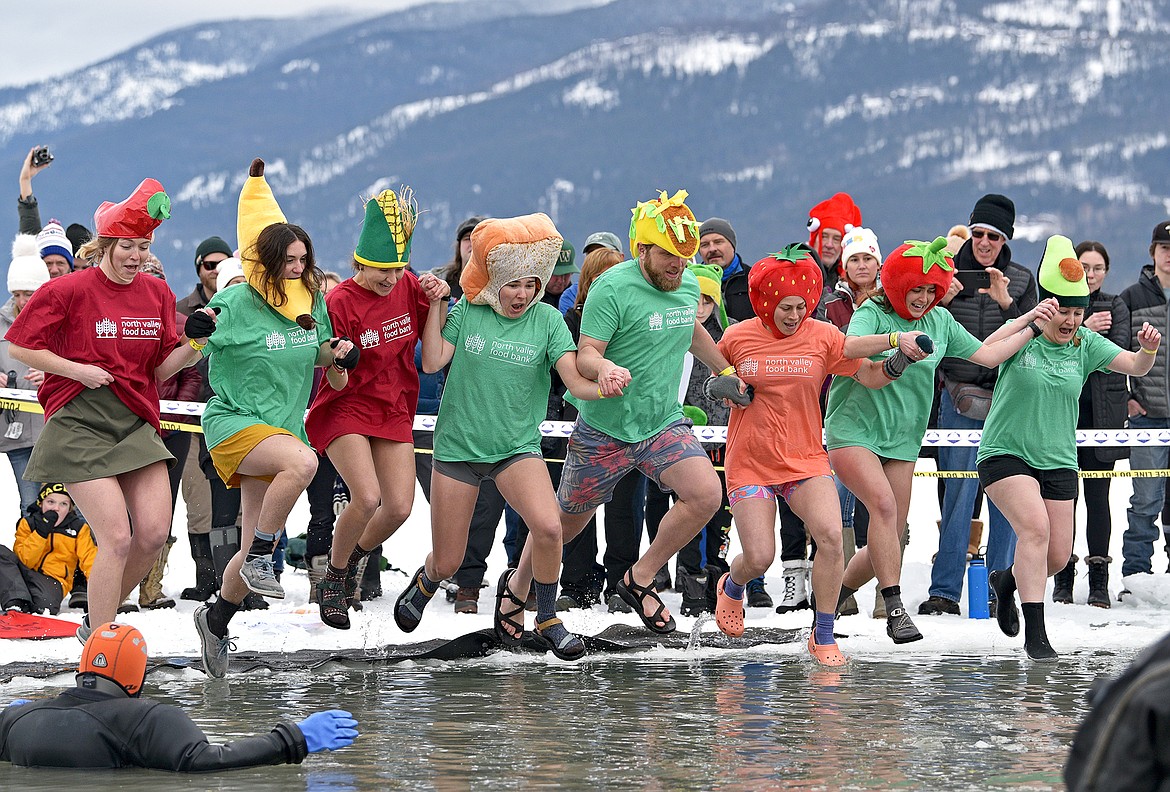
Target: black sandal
(500, 621)
(635, 596)
(566, 647)
(332, 603)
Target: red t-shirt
(382, 394)
(126, 329)
(777, 439)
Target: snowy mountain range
(759, 109)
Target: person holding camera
(1010, 292)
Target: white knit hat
(226, 270)
(52, 240)
(27, 271)
(859, 240)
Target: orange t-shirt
(777, 439)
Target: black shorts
(1055, 485)
(474, 473)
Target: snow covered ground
(1075, 630)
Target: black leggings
(1098, 524)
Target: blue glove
(328, 730)
(18, 702)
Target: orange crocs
(728, 611)
(828, 655)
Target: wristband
(599, 393)
(196, 345)
(1153, 351)
(894, 340)
(1035, 328)
(727, 371)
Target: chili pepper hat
(913, 264)
(137, 216)
(505, 249)
(666, 222)
(118, 653)
(257, 210)
(1062, 275)
(791, 272)
(387, 230)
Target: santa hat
(387, 230)
(27, 271)
(1062, 275)
(792, 272)
(257, 210)
(51, 241)
(859, 240)
(137, 216)
(838, 212)
(915, 264)
(508, 249)
(666, 222)
(711, 284)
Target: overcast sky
(51, 37)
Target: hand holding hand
(729, 388)
(345, 353)
(200, 324)
(1044, 311)
(435, 288)
(613, 381)
(328, 730)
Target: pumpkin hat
(1062, 275)
(792, 272)
(666, 222)
(505, 249)
(258, 210)
(914, 264)
(137, 216)
(387, 230)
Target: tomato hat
(792, 272)
(118, 653)
(137, 216)
(914, 264)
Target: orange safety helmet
(118, 653)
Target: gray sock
(546, 600)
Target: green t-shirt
(497, 392)
(648, 331)
(260, 365)
(1035, 404)
(891, 421)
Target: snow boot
(204, 569)
(1062, 582)
(794, 577)
(1099, 580)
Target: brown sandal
(635, 596)
(502, 621)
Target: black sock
(845, 594)
(355, 558)
(1035, 635)
(219, 614)
(893, 598)
(262, 546)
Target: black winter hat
(78, 235)
(211, 245)
(996, 211)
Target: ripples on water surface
(667, 721)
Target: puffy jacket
(735, 294)
(1147, 303)
(31, 423)
(982, 316)
(68, 546)
(1104, 395)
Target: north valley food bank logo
(275, 340)
(749, 367)
(144, 328)
(106, 328)
(474, 343)
(369, 338)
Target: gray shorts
(474, 473)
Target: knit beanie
(387, 230)
(666, 222)
(136, 216)
(996, 213)
(78, 235)
(859, 240)
(915, 264)
(228, 270)
(52, 241)
(27, 271)
(211, 245)
(711, 284)
(1062, 275)
(717, 225)
(792, 272)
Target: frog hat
(258, 210)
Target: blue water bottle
(977, 593)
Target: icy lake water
(666, 720)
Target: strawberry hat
(792, 272)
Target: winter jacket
(839, 307)
(982, 316)
(98, 728)
(735, 295)
(29, 214)
(1104, 395)
(430, 386)
(1147, 303)
(1124, 741)
(68, 546)
(31, 423)
(192, 302)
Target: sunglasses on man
(979, 233)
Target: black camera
(41, 156)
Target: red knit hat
(137, 216)
(838, 212)
(118, 653)
(915, 264)
(793, 272)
